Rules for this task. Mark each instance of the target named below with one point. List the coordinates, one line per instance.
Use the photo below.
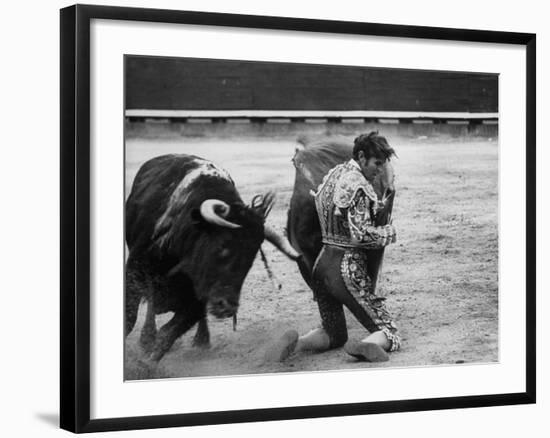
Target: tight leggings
(332, 295)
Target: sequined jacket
(347, 205)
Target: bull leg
(132, 299)
(149, 330)
(305, 270)
(374, 265)
(172, 330)
(202, 336)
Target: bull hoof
(145, 369)
(201, 338)
(201, 343)
(283, 348)
(366, 351)
(147, 343)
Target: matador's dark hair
(373, 145)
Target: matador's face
(371, 167)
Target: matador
(347, 206)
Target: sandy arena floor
(440, 279)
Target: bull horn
(281, 242)
(208, 213)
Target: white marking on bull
(181, 192)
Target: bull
(191, 241)
(312, 161)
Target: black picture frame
(75, 217)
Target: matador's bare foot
(283, 348)
(367, 351)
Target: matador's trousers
(340, 279)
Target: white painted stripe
(199, 120)
(157, 121)
(358, 120)
(238, 121)
(278, 120)
(307, 114)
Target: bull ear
(197, 220)
(262, 204)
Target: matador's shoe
(367, 351)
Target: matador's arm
(363, 232)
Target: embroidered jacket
(347, 205)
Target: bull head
(215, 211)
(226, 249)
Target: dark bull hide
(191, 242)
(312, 161)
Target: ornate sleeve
(362, 230)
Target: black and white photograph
(288, 217)
(271, 219)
